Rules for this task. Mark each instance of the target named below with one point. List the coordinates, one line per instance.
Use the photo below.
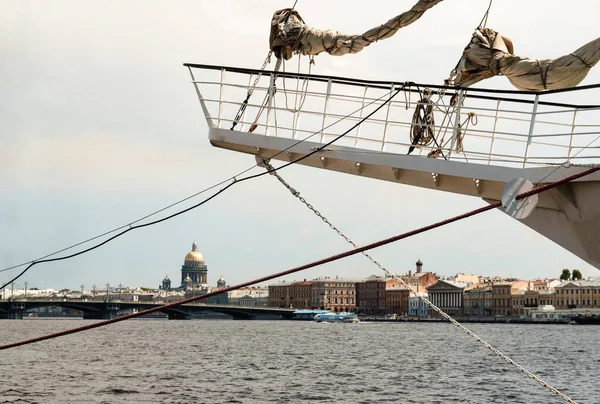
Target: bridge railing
(508, 128)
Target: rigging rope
(423, 124)
(483, 22)
(422, 130)
(305, 83)
(390, 274)
(303, 267)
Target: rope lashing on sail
(290, 35)
(265, 164)
(490, 54)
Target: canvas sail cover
(490, 54)
(290, 35)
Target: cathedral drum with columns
(194, 271)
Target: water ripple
(157, 361)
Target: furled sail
(290, 35)
(490, 54)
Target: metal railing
(482, 126)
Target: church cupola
(166, 283)
(221, 282)
(194, 268)
(419, 266)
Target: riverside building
(448, 296)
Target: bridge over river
(16, 308)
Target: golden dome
(194, 255)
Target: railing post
(360, 114)
(202, 103)
(461, 95)
(531, 127)
(221, 98)
(494, 132)
(387, 117)
(296, 115)
(325, 108)
(572, 134)
(270, 103)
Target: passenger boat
(332, 317)
(307, 315)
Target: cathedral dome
(194, 256)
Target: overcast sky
(99, 125)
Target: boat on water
(328, 316)
(332, 317)
(586, 319)
(308, 315)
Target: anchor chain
(266, 164)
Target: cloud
(97, 162)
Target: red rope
(303, 267)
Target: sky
(100, 125)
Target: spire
(194, 246)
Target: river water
(221, 361)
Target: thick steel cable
(390, 274)
(300, 268)
(234, 181)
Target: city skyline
(101, 126)
(19, 284)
